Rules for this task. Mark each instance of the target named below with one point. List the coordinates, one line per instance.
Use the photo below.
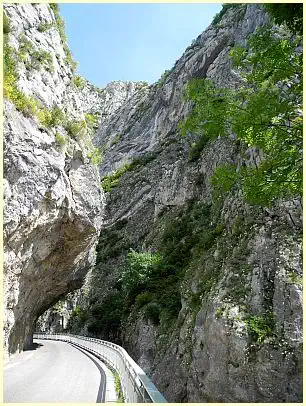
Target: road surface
(54, 372)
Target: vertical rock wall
(246, 278)
(53, 200)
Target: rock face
(53, 200)
(238, 334)
(226, 324)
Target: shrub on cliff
(76, 128)
(265, 112)
(79, 82)
(140, 266)
(44, 27)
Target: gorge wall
(225, 325)
(52, 195)
(222, 321)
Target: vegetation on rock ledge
(265, 112)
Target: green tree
(265, 111)
(290, 14)
(140, 266)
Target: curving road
(54, 372)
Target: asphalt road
(54, 372)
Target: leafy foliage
(295, 279)
(91, 120)
(60, 139)
(76, 128)
(36, 58)
(27, 105)
(61, 29)
(290, 14)
(51, 118)
(142, 160)
(149, 282)
(264, 112)
(54, 7)
(110, 181)
(79, 82)
(118, 389)
(143, 298)
(40, 58)
(197, 147)
(223, 180)
(95, 155)
(69, 59)
(138, 270)
(260, 327)
(25, 49)
(77, 319)
(163, 78)
(44, 27)
(112, 242)
(105, 315)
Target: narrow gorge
(113, 227)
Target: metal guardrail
(136, 386)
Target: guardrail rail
(135, 384)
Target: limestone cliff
(223, 323)
(227, 327)
(53, 200)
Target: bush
(61, 29)
(95, 155)
(77, 319)
(163, 78)
(142, 160)
(60, 139)
(139, 267)
(170, 301)
(60, 25)
(75, 128)
(152, 312)
(40, 58)
(141, 85)
(25, 48)
(91, 120)
(261, 327)
(69, 59)
(26, 105)
(58, 117)
(110, 181)
(197, 148)
(118, 389)
(104, 316)
(54, 7)
(45, 117)
(79, 82)
(143, 299)
(44, 27)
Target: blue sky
(132, 41)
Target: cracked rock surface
(52, 197)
